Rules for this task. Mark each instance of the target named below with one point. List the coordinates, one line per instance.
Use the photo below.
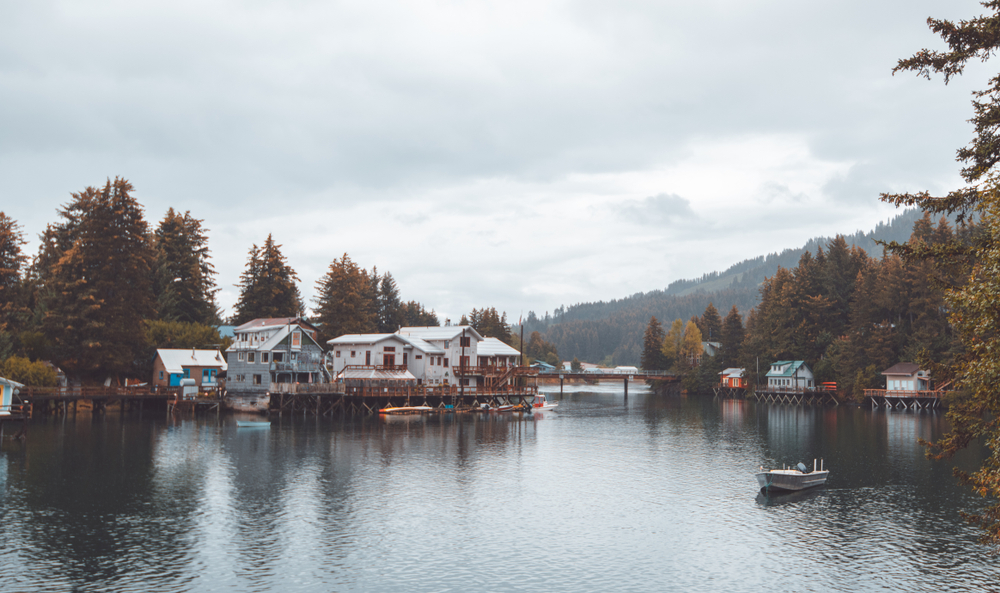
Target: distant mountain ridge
(611, 331)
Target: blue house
(9, 388)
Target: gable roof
(494, 347)
(268, 322)
(282, 333)
(372, 339)
(175, 359)
(733, 372)
(446, 332)
(793, 365)
(902, 368)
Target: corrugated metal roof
(376, 374)
(446, 332)
(360, 339)
(175, 359)
(494, 347)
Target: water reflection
(639, 497)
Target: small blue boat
(253, 423)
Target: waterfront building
(431, 355)
(273, 351)
(790, 375)
(733, 377)
(172, 364)
(7, 390)
(906, 376)
(494, 353)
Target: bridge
(610, 374)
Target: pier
(611, 374)
(904, 399)
(796, 396)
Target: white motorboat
(792, 479)
(540, 404)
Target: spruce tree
(653, 358)
(98, 292)
(710, 324)
(268, 286)
(732, 338)
(344, 302)
(184, 284)
(13, 312)
(390, 307)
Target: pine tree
(344, 300)
(98, 292)
(653, 358)
(732, 338)
(184, 283)
(390, 307)
(267, 286)
(710, 324)
(13, 311)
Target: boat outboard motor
(802, 468)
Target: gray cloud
(238, 111)
(657, 210)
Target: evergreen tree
(653, 358)
(710, 324)
(98, 291)
(415, 315)
(490, 323)
(12, 306)
(344, 300)
(539, 349)
(390, 307)
(184, 282)
(732, 338)
(267, 286)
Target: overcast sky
(515, 154)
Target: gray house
(266, 352)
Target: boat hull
(790, 480)
(248, 404)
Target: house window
(389, 349)
(465, 381)
(353, 353)
(295, 356)
(256, 379)
(161, 375)
(251, 357)
(240, 356)
(264, 356)
(296, 339)
(338, 354)
(187, 373)
(465, 342)
(419, 356)
(278, 356)
(446, 343)
(446, 362)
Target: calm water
(651, 494)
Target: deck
(901, 399)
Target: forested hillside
(611, 331)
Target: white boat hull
(791, 479)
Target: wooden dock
(904, 400)
(794, 396)
(328, 399)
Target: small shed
(172, 365)
(9, 388)
(906, 376)
(733, 377)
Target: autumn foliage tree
(973, 415)
(98, 287)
